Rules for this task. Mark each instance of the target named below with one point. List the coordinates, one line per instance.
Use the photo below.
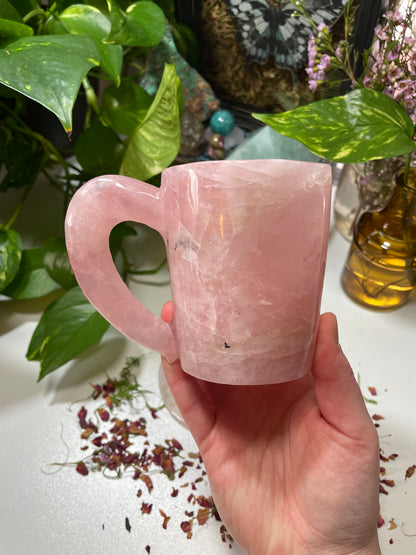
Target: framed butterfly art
(266, 29)
(254, 52)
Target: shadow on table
(72, 381)
(13, 313)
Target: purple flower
(394, 72)
(312, 85)
(322, 27)
(381, 32)
(392, 55)
(395, 17)
(325, 61)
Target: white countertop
(49, 512)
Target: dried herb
(366, 399)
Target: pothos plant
(374, 120)
(52, 53)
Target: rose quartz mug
(246, 243)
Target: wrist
(372, 548)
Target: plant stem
(33, 13)
(90, 95)
(148, 272)
(19, 206)
(407, 168)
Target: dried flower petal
(148, 481)
(202, 516)
(186, 526)
(146, 508)
(410, 471)
(380, 521)
(103, 414)
(165, 519)
(393, 525)
(377, 417)
(383, 490)
(81, 468)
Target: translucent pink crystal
(246, 243)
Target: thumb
(338, 395)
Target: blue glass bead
(222, 122)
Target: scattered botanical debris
(385, 459)
(117, 446)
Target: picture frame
(244, 86)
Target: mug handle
(95, 209)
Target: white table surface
(46, 512)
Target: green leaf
(99, 4)
(142, 24)
(125, 107)
(155, 143)
(36, 342)
(86, 20)
(56, 262)
(99, 150)
(360, 126)
(67, 327)
(10, 256)
(49, 69)
(32, 280)
(14, 29)
(24, 160)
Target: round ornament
(222, 122)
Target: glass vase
(380, 270)
(361, 187)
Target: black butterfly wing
(253, 20)
(291, 35)
(264, 29)
(325, 11)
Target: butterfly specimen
(268, 28)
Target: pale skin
(294, 467)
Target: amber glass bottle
(380, 270)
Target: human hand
(293, 467)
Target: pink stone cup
(246, 244)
